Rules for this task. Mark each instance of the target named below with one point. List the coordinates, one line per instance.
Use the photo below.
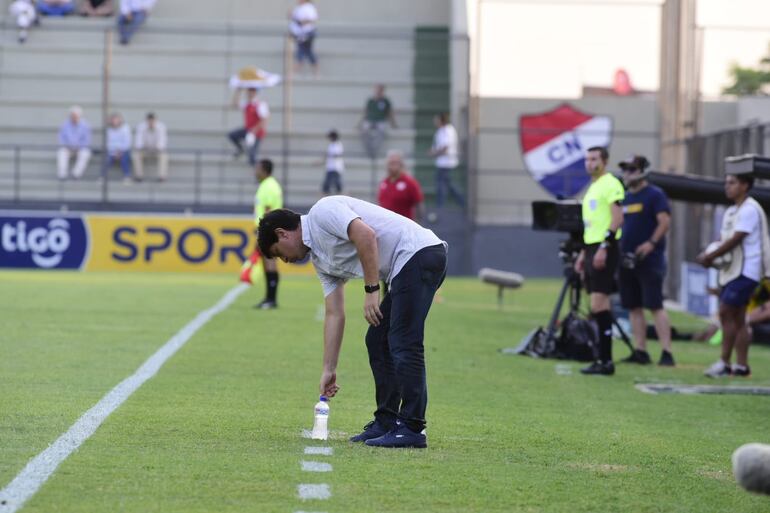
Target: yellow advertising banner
(173, 244)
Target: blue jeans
(237, 136)
(305, 50)
(444, 182)
(396, 352)
(127, 28)
(55, 10)
(332, 180)
(125, 163)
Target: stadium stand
(178, 65)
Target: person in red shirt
(399, 191)
(255, 114)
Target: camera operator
(598, 261)
(745, 236)
(646, 220)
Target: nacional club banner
(98, 242)
(554, 144)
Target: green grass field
(219, 428)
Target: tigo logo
(42, 242)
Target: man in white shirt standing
(349, 238)
(302, 26)
(335, 165)
(445, 151)
(151, 140)
(745, 237)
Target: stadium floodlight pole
(106, 72)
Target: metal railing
(231, 45)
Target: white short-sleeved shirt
(747, 221)
(334, 160)
(304, 13)
(334, 256)
(446, 136)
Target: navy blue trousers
(396, 351)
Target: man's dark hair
(748, 179)
(280, 218)
(267, 166)
(333, 135)
(443, 117)
(603, 153)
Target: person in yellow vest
(744, 236)
(269, 197)
(598, 261)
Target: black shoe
(400, 438)
(266, 305)
(599, 368)
(666, 359)
(638, 356)
(372, 430)
(741, 372)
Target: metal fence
(202, 173)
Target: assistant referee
(598, 261)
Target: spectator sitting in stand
(56, 7)
(151, 140)
(255, 115)
(132, 14)
(23, 11)
(96, 8)
(373, 125)
(74, 141)
(118, 147)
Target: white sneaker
(718, 370)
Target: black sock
(604, 323)
(272, 285)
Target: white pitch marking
(42, 466)
(316, 466)
(324, 451)
(314, 491)
(306, 433)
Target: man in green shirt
(269, 197)
(373, 125)
(598, 261)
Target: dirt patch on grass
(600, 467)
(719, 475)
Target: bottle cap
(323, 398)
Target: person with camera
(646, 221)
(745, 237)
(598, 261)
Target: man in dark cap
(646, 221)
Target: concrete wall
(390, 12)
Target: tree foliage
(750, 81)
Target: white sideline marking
(324, 451)
(40, 468)
(314, 491)
(316, 466)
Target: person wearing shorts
(744, 236)
(598, 261)
(646, 220)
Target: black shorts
(602, 281)
(642, 287)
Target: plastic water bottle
(321, 423)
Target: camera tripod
(542, 342)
